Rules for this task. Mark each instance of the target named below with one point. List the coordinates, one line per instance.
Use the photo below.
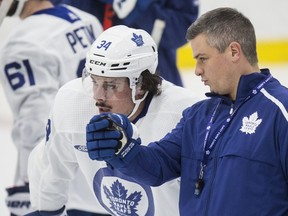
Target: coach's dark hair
(223, 26)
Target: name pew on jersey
(80, 37)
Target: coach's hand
(111, 137)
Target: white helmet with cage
(11, 8)
(121, 51)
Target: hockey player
(121, 69)
(45, 50)
(231, 151)
(165, 20)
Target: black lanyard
(199, 184)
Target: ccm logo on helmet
(97, 63)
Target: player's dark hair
(151, 82)
(223, 26)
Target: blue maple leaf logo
(119, 202)
(138, 39)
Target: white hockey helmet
(121, 51)
(11, 8)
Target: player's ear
(139, 91)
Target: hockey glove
(111, 137)
(60, 212)
(18, 200)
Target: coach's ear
(235, 50)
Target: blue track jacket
(246, 172)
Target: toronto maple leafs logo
(138, 39)
(120, 202)
(250, 124)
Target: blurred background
(270, 20)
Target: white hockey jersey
(52, 165)
(43, 52)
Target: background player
(121, 66)
(45, 50)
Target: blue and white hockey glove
(59, 212)
(113, 138)
(18, 200)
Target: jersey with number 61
(44, 51)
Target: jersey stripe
(277, 102)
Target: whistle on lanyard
(199, 184)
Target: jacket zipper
(215, 164)
(231, 108)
